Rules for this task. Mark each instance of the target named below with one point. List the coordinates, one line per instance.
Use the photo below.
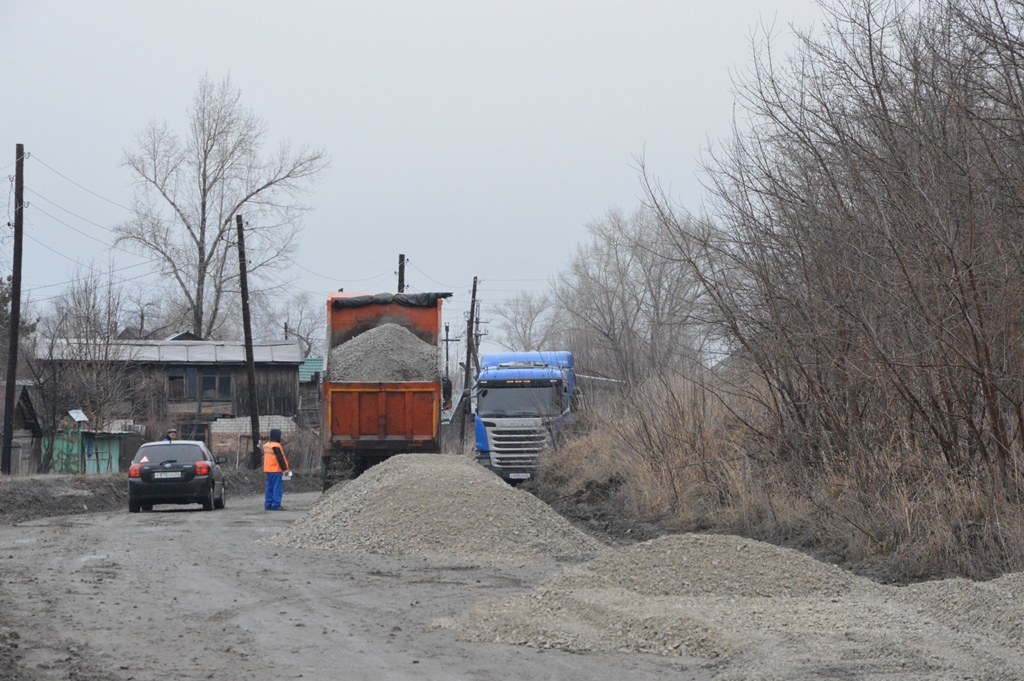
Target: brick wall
(231, 437)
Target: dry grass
(686, 464)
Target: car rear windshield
(170, 452)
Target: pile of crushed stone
(764, 612)
(437, 505)
(387, 353)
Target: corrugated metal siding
(184, 352)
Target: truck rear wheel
(336, 466)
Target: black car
(178, 472)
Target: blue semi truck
(521, 401)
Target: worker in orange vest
(274, 465)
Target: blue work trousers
(275, 488)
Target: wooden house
(190, 383)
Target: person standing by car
(274, 465)
(171, 435)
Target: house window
(176, 383)
(216, 384)
(190, 383)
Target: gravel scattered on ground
(763, 612)
(439, 505)
(388, 353)
(44, 496)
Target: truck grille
(517, 446)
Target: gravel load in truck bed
(387, 353)
(439, 505)
(763, 612)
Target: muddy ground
(186, 594)
(428, 567)
(44, 496)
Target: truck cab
(520, 400)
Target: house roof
(18, 390)
(173, 352)
(312, 365)
(22, 399)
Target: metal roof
(173, 352)
(312, 365)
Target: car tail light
(135, 471)
(202, 468)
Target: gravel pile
(758, 611)
(438, 505)
(388, 353)
(993, 609)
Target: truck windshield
(501, 401)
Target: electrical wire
(335, 279)
(119, 281)
(75, 229)
(71, 213)
(50, 248)
(439, 283)
(71, 281)
(85, 189)
(284, 284)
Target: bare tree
(299, 317)
(80, 362)
(625, 301)
(527, 322)
(863, 248)
(188, 189)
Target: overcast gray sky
(478, 138)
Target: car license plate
(519, 476)
(167, 474)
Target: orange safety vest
(270, 464)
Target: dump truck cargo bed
(382, 387)
(384, 416)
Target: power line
(51, 249)
(83, 188)
(69, 212)
(439, 283)
(336, 279)
(70, 281)
(119, 281)
(75, 229)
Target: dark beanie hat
(275, 434)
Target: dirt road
(183, 594)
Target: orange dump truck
(382, 389)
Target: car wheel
(147, 507)
(208, 499)
(134, 506)
(221, 501)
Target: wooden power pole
(250, 361)
(401, 272)
(469, 365)
(15, 316)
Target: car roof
(164, 443)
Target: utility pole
(250, 362)
(447, 340)
(401, 272)
(15, 316)
(469, 360)
(477, 335)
